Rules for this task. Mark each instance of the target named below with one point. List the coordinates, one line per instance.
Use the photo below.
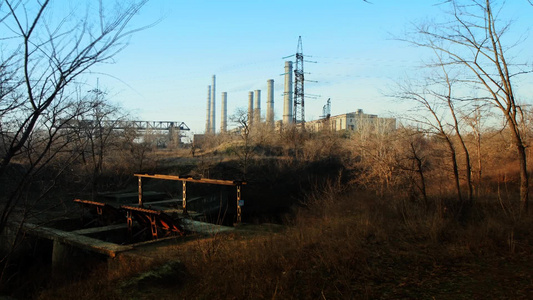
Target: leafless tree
(375, 144)
(413, 158)
(49, 55)
(242, 119)
(435, 122)
(475, 119)
(43, 53)
(98, 132)
(474, 40)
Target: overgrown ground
(343, 245)
(349, 227)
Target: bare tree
(475, 119)
(375, 146)
(413, 157)
(49, 56)
(242, 119)
(435, 123)
(473, 39)
(98, 132)
(43, 54)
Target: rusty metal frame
(153, 226)
(239, 212)
(140, 192)
(154, 217)
(191, 179)
(103, 210)
(129, 217)
(237, 183)
(184, 203)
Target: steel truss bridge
(128, 124)
(173, 128)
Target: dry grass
(348, 245)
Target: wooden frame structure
(237, 183)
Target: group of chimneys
(254, 107)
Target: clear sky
(167, 68)
(164, 73)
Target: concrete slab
(205, 228)
(100, 229)
(78, 240)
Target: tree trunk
(524, 178)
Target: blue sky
(164, 73)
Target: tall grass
(344, 244)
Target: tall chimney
(208, 116)
(270, 103)
(287, 95)
(250, 107)
(224, 113)
(213, 114)
(257, 107)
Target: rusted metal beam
(191, 179)
(89, 202)
(237, 183)
(106, 213)
(152, 218)
(140, 192)
(139, 209)
(239, 211)
(184, 203)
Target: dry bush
(323, 145)
(102, 282)
(344, 244)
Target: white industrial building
(354, 121)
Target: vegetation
(435, 208)
(43, 56)
(361, 230)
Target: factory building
(354, 121)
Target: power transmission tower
(299, 98)
(298, 109)
(326, 110)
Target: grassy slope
(344, 246)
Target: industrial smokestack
(250, 107)
(270, 103)
(287, 95)
(257, 107)
(224, 113)
(208, 116)
(213, 114)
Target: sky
(171, 64)
(163, 74)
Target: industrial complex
(293, 107)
